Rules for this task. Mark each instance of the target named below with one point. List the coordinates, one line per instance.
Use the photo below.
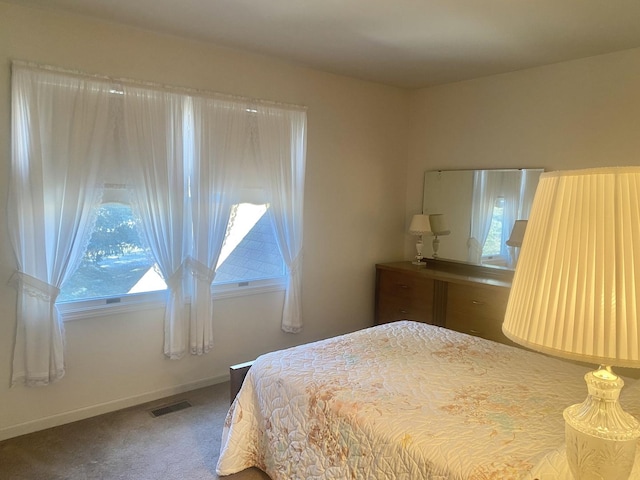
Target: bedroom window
(500, 198)
(250, 251)
(494, 250)
(117, 262)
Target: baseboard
(99, 409)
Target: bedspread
(403, 400)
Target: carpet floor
(129, 444)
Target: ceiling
(406, 43)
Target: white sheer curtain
(528, 190)
(60, 129)
(281, 156)
(220, 145)
(486, 188)
(186, 156)
(157, 132)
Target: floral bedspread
(403, 400)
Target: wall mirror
(481, 208)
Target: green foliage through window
(115, 261)
(493, 244)
(115, 233)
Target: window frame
(72, 310)
(137, 302)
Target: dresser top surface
(472, 278)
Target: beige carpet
(129, 444)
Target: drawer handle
(474, 332)
(477, 302)
(403, 311)
(402, 285)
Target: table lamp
(575, 295)
(419, 226)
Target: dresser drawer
(403, 296)
(477, 310)
(403, 285)
(391, 309)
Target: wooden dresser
(468, 298)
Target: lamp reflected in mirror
(515, 239)
(439, 227)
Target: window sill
(249, 288)
(496, 260)
(71, 311)
(100, 307)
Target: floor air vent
(174, 407)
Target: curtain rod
(157, 86)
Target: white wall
(579, 114)
(354, 206)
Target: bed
(404, 400)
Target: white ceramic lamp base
(601, 437)
(594, 458)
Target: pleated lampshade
(517, 233)
(576, 289)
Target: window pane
(115, 263)
(250, 251)
(493, 245)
